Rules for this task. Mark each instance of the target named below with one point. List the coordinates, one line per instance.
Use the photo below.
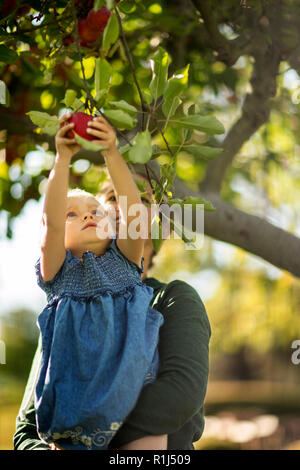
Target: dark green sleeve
(178, 393)
(26, 436)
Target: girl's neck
(94, 248)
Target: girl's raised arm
(124, 185)
(53, 251)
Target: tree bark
(249, 232)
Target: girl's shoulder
(69, 262)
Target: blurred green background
(244, 69)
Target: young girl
(98, 330)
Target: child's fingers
(64, 129)
(68, 141)
(100, 121)
(64, 118)
(102, 135)
(99, 125)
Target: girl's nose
(88, 215)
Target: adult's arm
(26, 436)
(177, 395)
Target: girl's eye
(112, 198)
(94, 211)
(71, 214)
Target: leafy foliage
(78, 55)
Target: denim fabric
(99, 340)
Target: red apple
(98, 19)
(22, 11)
(8, 7)
(80, 121)
(86, 33)
(67, 40)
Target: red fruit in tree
(9, 6)
(86, 33)
(98, 19)
(67, 40)
(80, 121)
(22, 11)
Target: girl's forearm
(121, 177)
(54, 213)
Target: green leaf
(124, 106)
(127, 6)
(111, 32)
(207, 124)
(156, 229)
(201, 150)
(4, 94)
(160, 62)
(187, 133)
(142, 186)
(98, 4)
(87, 144)
(146, 96)
(100, 97)
(186, 235)
(69, 98)
(103, 71)
(124, 148)
(48, 124)
(8, 56)
(109, 4)
(50, 130)
(77, 104)
(142, 149)
(177, 84)
(170, 106)
(120, 119)
(74, 78)
(156, 150)
(193, 201)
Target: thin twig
(149, 179)
(131, 64)
(166, 142)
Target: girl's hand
(104, 134)
(66, 147)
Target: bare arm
(53, 251)
(124, 185)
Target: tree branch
(228, 50)
(249, 232)
(255, 112)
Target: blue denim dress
(99, 339)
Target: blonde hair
(79, 192)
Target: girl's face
(82, 216)
(109, 201)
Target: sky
(18, 286)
